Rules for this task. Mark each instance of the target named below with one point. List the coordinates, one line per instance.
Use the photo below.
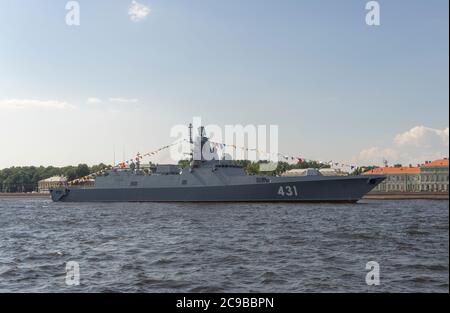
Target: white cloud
(421, 136)
(414, 146)
(138, 11)
(124, 100)
(94, 100)
(24, 104)
(376, 155)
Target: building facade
(434, 176)
(53, 182)
(428, 177)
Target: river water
(154, 247)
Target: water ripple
(148, 247)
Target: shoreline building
(45, 185)
(434, 176)
(429, 177)
(314, 171)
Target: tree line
(26, 178)
(254, 168)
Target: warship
(214, 180)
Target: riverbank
(24, 194)
(407, 196)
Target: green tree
(98, 168)
(184, 163)
(82, 170)
(252, 168)
(70, 174)
(362, 169)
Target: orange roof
(394, 170)
(443, 162)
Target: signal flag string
(284, 156)
(220, 145)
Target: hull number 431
(287, 191)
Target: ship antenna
(191, 141)
(114, 155)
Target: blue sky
(337, 88)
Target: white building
(53, 182)
(313, 171)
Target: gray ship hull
(293, 189)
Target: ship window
(184, 182)
(134, 183)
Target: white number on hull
(288, 191)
